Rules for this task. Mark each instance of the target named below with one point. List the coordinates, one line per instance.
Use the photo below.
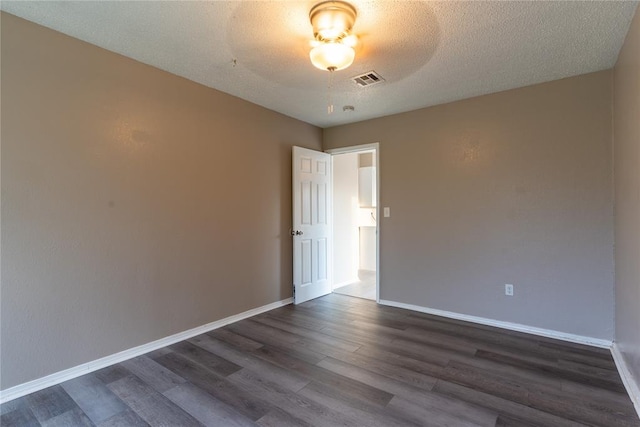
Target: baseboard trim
(579, 339)
(76, 371)
(630, 383)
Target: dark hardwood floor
(343, 361)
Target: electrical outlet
(508, 290)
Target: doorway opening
(355, 221)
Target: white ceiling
(428, 52)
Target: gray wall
(513, 187)
(135, 204)
(626, 129)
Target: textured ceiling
(428, 52)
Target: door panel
(311, 224)
(306, 203)
(322, 259)
(305, 248)
(322, 203)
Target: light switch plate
(387, 212)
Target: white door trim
(354, 149)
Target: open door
(311, 224)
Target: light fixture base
(332, 20)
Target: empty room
(320, 213)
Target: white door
(311, 224)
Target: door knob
(297, 233)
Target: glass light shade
(332, 55)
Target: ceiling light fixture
(332, 56)
(332, 23)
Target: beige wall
(135, 204)
(626, 79)
(513, 187)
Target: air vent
(368, 79)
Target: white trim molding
(580, 339)
(631, 383)
(76, 371)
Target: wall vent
(369, 78)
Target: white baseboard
(580, 339)
(76, 371)
(631, 383)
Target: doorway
(355, 221)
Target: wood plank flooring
(343, 361)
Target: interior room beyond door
(355, 223)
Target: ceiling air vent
(368, 79)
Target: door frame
(355, 149)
